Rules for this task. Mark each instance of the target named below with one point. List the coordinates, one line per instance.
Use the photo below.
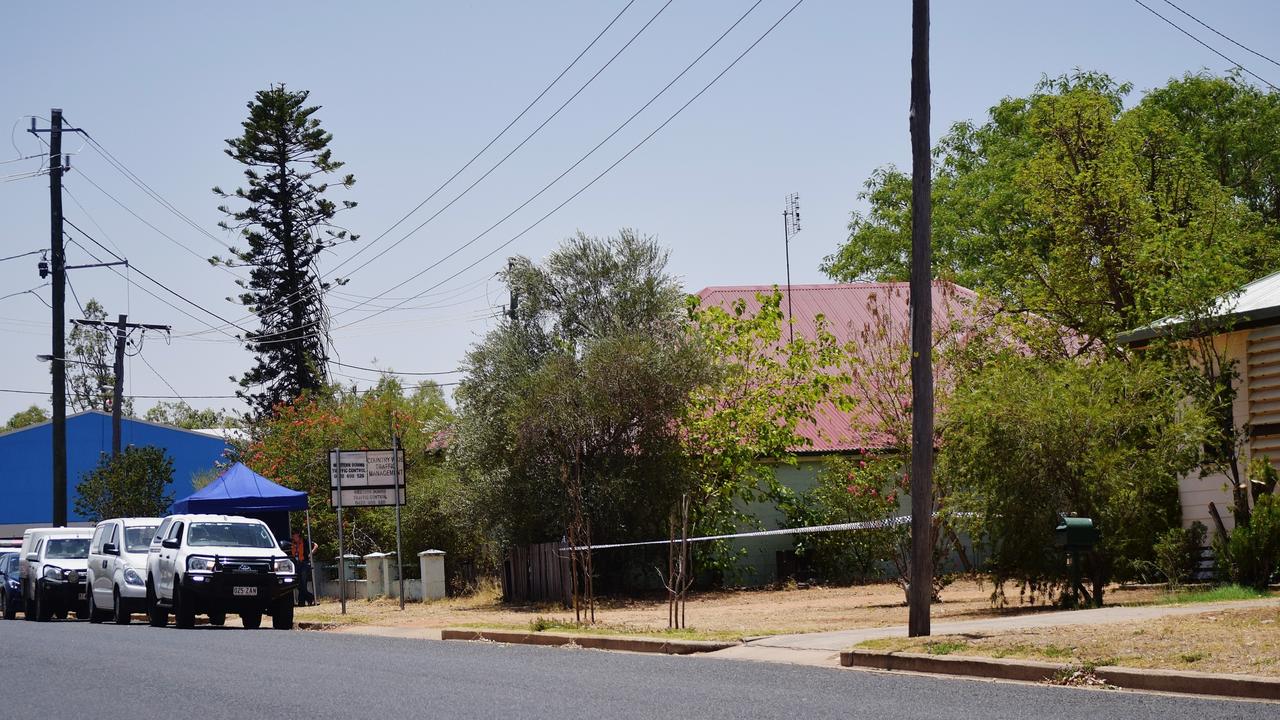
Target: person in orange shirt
(302, 563)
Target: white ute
(118, 568)
(215, 565)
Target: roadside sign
(366, 478)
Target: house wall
(759, 565)
(1196, 492)
(26, 472)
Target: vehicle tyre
(251, 620)
(184, 614)
(282, 614)
(121, 614)
(156, 615)
(96, 615)
(6, 608)
(44, 613)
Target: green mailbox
(1075, 534)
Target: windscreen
(229, 534)
(9, 564)
(138, 539)
(67, 549)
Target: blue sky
(412, 90)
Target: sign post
(342, 557)
(366, 478)
(395, 470)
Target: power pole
(921, 591)
(117, 397)
(58, 258)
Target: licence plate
(244, 591)
(80, 596)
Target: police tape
(882, 524)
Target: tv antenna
(790, 228)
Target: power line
(289, 298)
(513, 150)
(1206, 45)
(147, 189)
(22, 255)
(584, 188)
(1215, 31)
(162, 233)
(145, 290)
(504, 130)
(32, 291)
(392, 372)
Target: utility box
(1075, 534)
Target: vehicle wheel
(96, 615)
(282, 614)
(217, 619)
(251, 620)
(6, 609)
(184, 615)
(121, 614)
(44, 613)
(156, 615)
(28, 613)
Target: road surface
(74, 669)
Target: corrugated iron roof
(1257, 303)
(847, 309)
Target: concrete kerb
(1169, 681)
(596, 642)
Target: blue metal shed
(26, 465)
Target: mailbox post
(1076, 537)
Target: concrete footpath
(824, 648)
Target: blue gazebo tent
(241, 491)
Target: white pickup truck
(215, 565)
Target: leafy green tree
(1026, 439)
(742, 422)
(1067, 206)
(292, 448)
(566, 414)
(180, 414)
(286, 222)
(131, 484)
(1235, 127)
(31, 416)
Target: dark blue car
(10, 592)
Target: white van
(118, 568)
(52, 571)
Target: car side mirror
(171, 543)
(32, 557)
(286, 546)
(110, 549)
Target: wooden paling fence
(537, 573)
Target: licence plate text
(244, 591)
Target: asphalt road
(73, 669)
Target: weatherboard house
(849, 310)
(26, 465)
(1245, 330)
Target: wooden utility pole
(117, 397)
(921, 591)
(57, 257)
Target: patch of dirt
(741, 613)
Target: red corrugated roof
(847, 309)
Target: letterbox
(1075, 533)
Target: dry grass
(711, 615)
(1234, 641)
